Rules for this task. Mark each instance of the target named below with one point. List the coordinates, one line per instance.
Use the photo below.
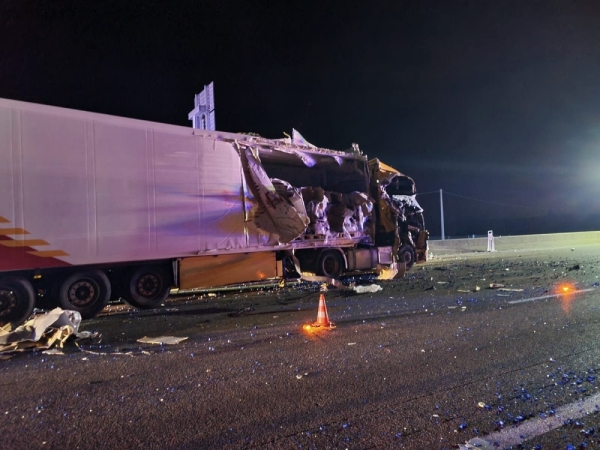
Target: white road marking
(535, 427)
(532, 299)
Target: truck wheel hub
(82, 293)
(147, 285)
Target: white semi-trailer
(94, 207)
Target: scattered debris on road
(476, 289)
(162, 340)
(371, 288)
(42, 332)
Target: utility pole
(442, 214)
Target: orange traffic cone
(322, 316)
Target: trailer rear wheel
(17, 300)
(148, 287)
(331, 264)
(86, 292)
(407, 254)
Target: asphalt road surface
(433, 361)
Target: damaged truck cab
(96, 207)
(349, 213)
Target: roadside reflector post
(491, 247)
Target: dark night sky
(496, 100)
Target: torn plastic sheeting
(307, 159)
(162, 340)
(341, 219)
(363, 208)
(408, 201)
(372, 288)
(41, 332)
(292, 195)
(317, 212)
(277, 215)
(335, 212)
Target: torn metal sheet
(298, 139)
(307, 159)
(162, 340)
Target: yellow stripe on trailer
(48, 253)
(23, 242)
(6, 231)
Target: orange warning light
(566, 293)
(307, 327)
(565, 289)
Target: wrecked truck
(94, 207)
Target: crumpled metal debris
(42, 332)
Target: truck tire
(148, 287)
(331, 264)
(407, 254)
(87, 292)
(17, 299)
